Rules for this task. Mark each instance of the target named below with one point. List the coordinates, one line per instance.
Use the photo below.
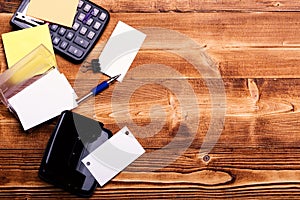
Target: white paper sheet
(113, 156)
(44, 99)
(120, 50)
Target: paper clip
(94, 65)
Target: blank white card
(113, 156)
(44, 99)
(120, 50)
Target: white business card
(120, 50)
(113, 156)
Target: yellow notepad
(56, 11)
(18, 44)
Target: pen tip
(112, 79)
(116, 77)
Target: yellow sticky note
(18, 44)
(56, 11)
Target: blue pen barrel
(99, 88)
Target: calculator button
(62, 31)
(76, 52)
(91, 35)
(97, 25)
(80, 4)
(54, 27)
(63, 45)
(87, 8)
(76, 26)
(102, 16)
(81, 42)
(95, 12)
(56, 40)
(83, 31)
(90, 21)
(81, 17)
(70, 35)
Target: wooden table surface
(176, 108)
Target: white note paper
(120, 50)
(113, 156)
(44, 99)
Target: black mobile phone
(73, 138)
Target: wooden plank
(276, 96)
(263, 123)
(241, 183)
(227, 155)
(287, 191)
(156, 6)
(198, 6)
(230, 30)
(243, 44)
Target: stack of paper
(44, 99)
(18, 44)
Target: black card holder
(73, 138)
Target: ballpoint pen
(99, 88)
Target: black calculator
(73, 43)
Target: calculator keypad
(97, 26)
(70, 35)
(91, 35)
(77, 42)
(102, 16)
(75, 51)
(64, 45)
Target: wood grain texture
(237, 41)
(156, 6)
(256, 48)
